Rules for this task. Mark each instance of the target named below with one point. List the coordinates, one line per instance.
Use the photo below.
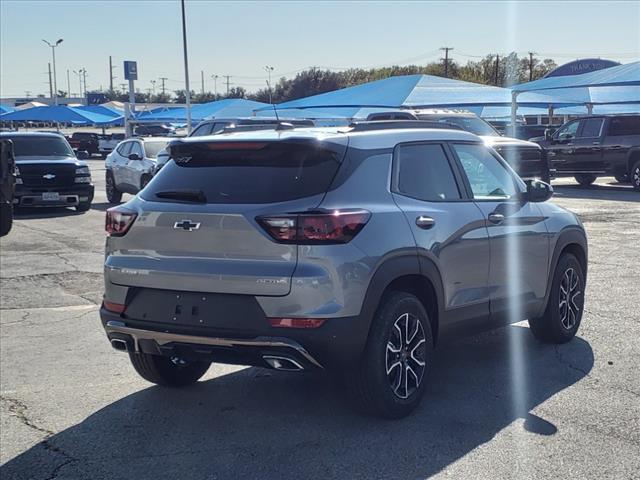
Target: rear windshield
(262, 173)
(41, 147)
(151, 149)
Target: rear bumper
(68, 196)
(336, 343)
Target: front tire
(585, 179)
(622, 178)
(83, 207)
(113, 194)
(562, 317)
(168, 371)
(635, 175)
(390, 379)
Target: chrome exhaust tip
(282, 363)
(120, 345)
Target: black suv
(596, 146)
(7, 185)
(526, 158)
(48, 172)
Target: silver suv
(357, 250)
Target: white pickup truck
(107, 143)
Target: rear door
(119, 162)
(448, 227)
(211, 241)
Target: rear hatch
(196, 228)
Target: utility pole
(50, 84)
(84, 81)
(227, 77)
(68, 85)
(202, 80)
(531, 54)
(28, 94)
(163, 79)
(495, 82)
(124, 87)
(111, 77)
(446, 60)
(269, 69)
(215, 86)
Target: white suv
(131, 165)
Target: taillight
(114, 307)
(339, 226)
(118, 221)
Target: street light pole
(55, 83)
(215, 86)
(186, 68)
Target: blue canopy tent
(417, 91)
(613, 85)
(101, 109)
(59, 114)
(230, 107)
(6, 109)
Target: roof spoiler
(367, 126)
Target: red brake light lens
(296, 322)
(118, 221)
(114, 307)
(316, 228)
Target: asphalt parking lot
(71, 407)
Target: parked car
(154, 131)
(353, 250)
(107, 143)
(222, 125)
(48, 172)
(85, 142)
(131, 166)
(523, 130)
(596, 146)
(7, 185)
(526, 158)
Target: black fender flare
(632, 154)
(390, 270)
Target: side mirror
(565, 138)
(134, 156)
(538, 191)
(548, 134)
(82, 155)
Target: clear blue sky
(240, 38)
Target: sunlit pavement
(74, 408)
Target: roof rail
(397, 124)
(258, 126)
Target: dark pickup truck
(596, 146)
(85, 142)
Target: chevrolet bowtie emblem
(187, 225)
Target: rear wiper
(195, 196)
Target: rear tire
(168, 372)
(6, 218)
(635, 175)
(585, 179)
(113, 194)
(390, 379)
(562, 317)
(83, 207)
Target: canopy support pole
(514, 110)
(550, 114)
(590, 108)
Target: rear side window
(423, 172)
(591, 128)
(250, 172)
(624, 126)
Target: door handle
(496, 218)
(595, 143)
(425, 222)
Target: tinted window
(424, 172)
(474, 125)
(624, 126)
(41, 146)
(202, 130)
(488, 177)
(263, 173)
(591, 127)
(136, 148)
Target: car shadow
(261, 424)
(34, 213)
(613, 191)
